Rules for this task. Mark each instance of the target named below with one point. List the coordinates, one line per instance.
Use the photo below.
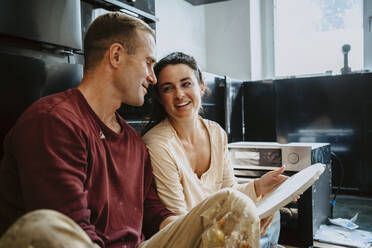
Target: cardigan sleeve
(167, 179)
(154, 210)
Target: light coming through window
(309, 35)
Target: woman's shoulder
(214, 128)
(159, 133)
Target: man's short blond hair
(108, 29)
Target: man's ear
(116, 54)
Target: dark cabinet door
(259, 111)
(52, 22)
(25, 79)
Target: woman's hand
(269, 181)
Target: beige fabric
(50, 229)
(178, 186)
(45, 229)
(189, 230)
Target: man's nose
(151, 78)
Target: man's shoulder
(50, 116)
(62, 105)
(54, 102)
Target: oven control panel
(271, 155)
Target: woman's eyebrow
(186, 78)
(165, 84)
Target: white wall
(228, 38)
(181, 27)
(256, 39)
(262, 39)
(217, 35)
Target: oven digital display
(257, 157)
(270, 157)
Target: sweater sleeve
(154, 210)
(167, 179)
(229, 179)
(52, 162)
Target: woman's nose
(179, 93)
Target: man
(73, 154)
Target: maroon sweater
(61, 156)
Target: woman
(188, 153)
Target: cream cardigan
(178, 186)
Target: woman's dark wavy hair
(157, 112)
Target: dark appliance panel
(332, 109)
(213, 101)
(366, 158)
(147, 6)
(143, 9)
(51, 22)
(259, 111)
(234, 114)
(136, 116)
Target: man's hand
(167, 221)
(265, 223)
(269, 181)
